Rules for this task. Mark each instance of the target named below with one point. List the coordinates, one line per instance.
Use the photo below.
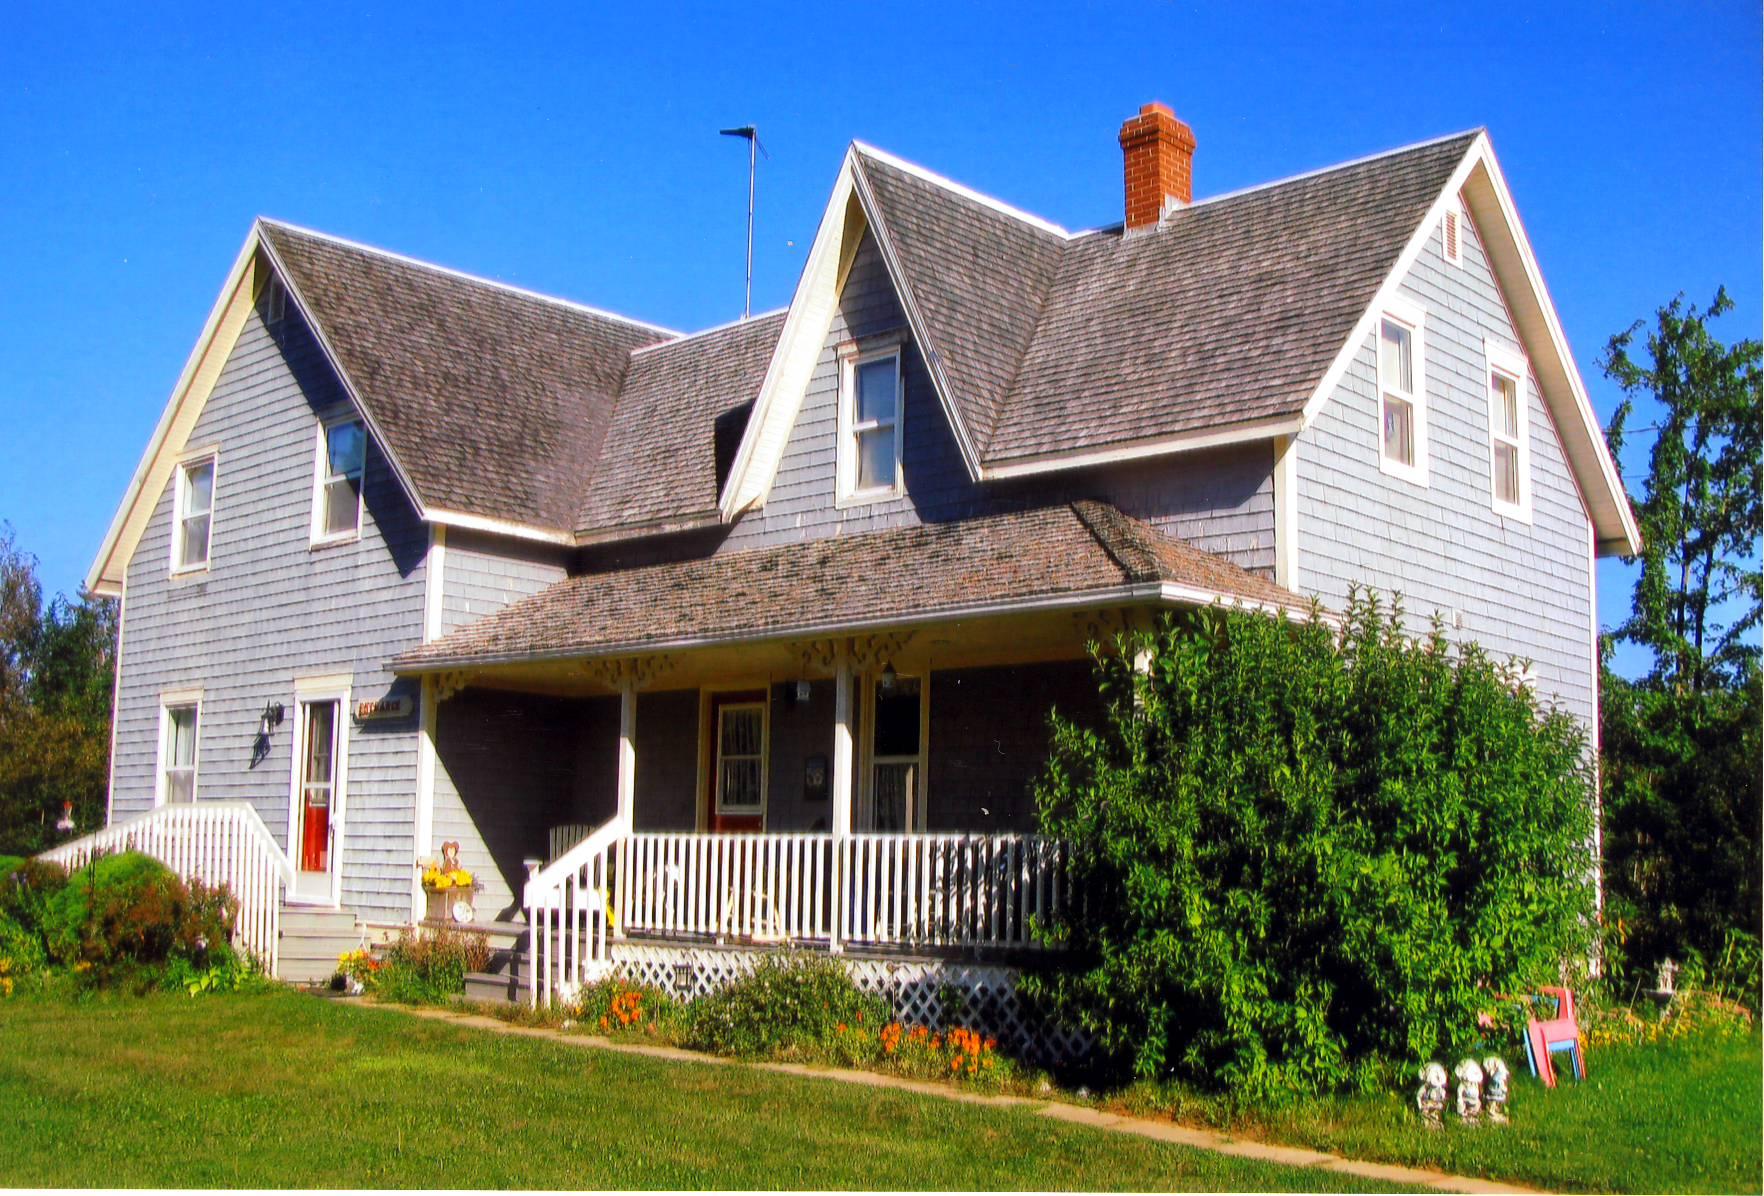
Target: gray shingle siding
(1521, 590)
(482, 574)
(271, 608)
(1221, 500)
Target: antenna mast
(751, 134)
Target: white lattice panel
(922, 992)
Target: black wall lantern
(269, 720)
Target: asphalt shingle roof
(904, 574)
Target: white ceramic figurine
(1469, 1092)
(1430, 1098)
(1495, 1093)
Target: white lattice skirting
(985, 994)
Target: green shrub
(791, 1005)
(1302, 854)
(428, 967)
(617, 1006)
(127, 910)
(9, 864)
(26, 889)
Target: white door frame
(309, 690)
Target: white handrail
(218, 843)
(567, 916)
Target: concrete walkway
(1143, 1127)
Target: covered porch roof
(1053, 558)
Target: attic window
(1509, 444)
(1402, 395)
(870, 394)
(192, 515)
(275, 302)
(1452, 233)
(336, 499)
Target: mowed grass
(1684, 1116)
(278, 1089)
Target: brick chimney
(1157, 153)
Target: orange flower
(840, 1027)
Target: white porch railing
(912, 890)
(218, 843)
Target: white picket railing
(219, 843)
(766, 887)
(950, 890)
(567, 922)
(562, 838)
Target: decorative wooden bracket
(449, 683)
(636, 671)
(869, 651)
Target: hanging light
(888, 678)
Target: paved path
(1144, 1127)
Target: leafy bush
(428, 967)
(1301, 854)
(26, 888)
(616, 1006)
(790, 1006)
(129, 909)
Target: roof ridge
(463, 276)
(725, 326)
(1300, 177)
(962, 189)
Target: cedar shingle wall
(1522, 590)
(271, 608)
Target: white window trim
(1454, 213)
(321, 689)
(321, 472)
(850, 358)
(864, 799)
(1413, 318)
(211, 457)
(275, 301)
(764, 705)
(1511, 364)
(168, 701)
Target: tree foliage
(1300, 853)
(1681, 747)
(57, 670)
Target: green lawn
(1672, 1117)
(279, 1089)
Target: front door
(737, 729)
(317, 801)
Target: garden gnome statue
(1469, 1092)
(1430, 1097)
(1495, 1092)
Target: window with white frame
(193, 515)
(1402, 408)
(741, 757)
(869, 424)
(1508, 442)
(342, 456)
(897, 754)
(177, 750)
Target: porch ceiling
(977, 579)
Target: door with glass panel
(889, 802)
(317, 800)
(737, 727)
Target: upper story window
(1402, 395)
(192, 514)
(870, 395)
(1508, 442)
(336, 505)
(179, 719)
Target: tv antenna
(751, 135)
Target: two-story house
(750, 633)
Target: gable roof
(1039, 558)
(490, 400)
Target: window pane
(180, 736)
(321, 724)
(876, 384)
(193, 544)
(1399, 430)
(875, 458)
(180, 785)
(346, 448)
(342, 505)
(741, 731)
(890, 792)
(1506, 405)
(741, 782)
(1398, 358)
(1506, 472)
(199, 489)
(897, 718)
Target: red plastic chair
(1557, 1035)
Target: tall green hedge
(1302, 852)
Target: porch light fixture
(270, 718)
(802, 693)
(888, 678)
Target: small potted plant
(450, 887)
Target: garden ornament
(1469, 1092)
(1430, 1098)
(1495, 1092)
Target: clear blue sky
(576, 153)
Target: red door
(318, 785)
(737, 729)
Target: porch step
(311, 941)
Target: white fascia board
(496, 527)
(793, 358)
(349, 388)
(188, 397)
(1479, 180)
(1114, 454)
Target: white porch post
(627, 789)
(841, 795)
